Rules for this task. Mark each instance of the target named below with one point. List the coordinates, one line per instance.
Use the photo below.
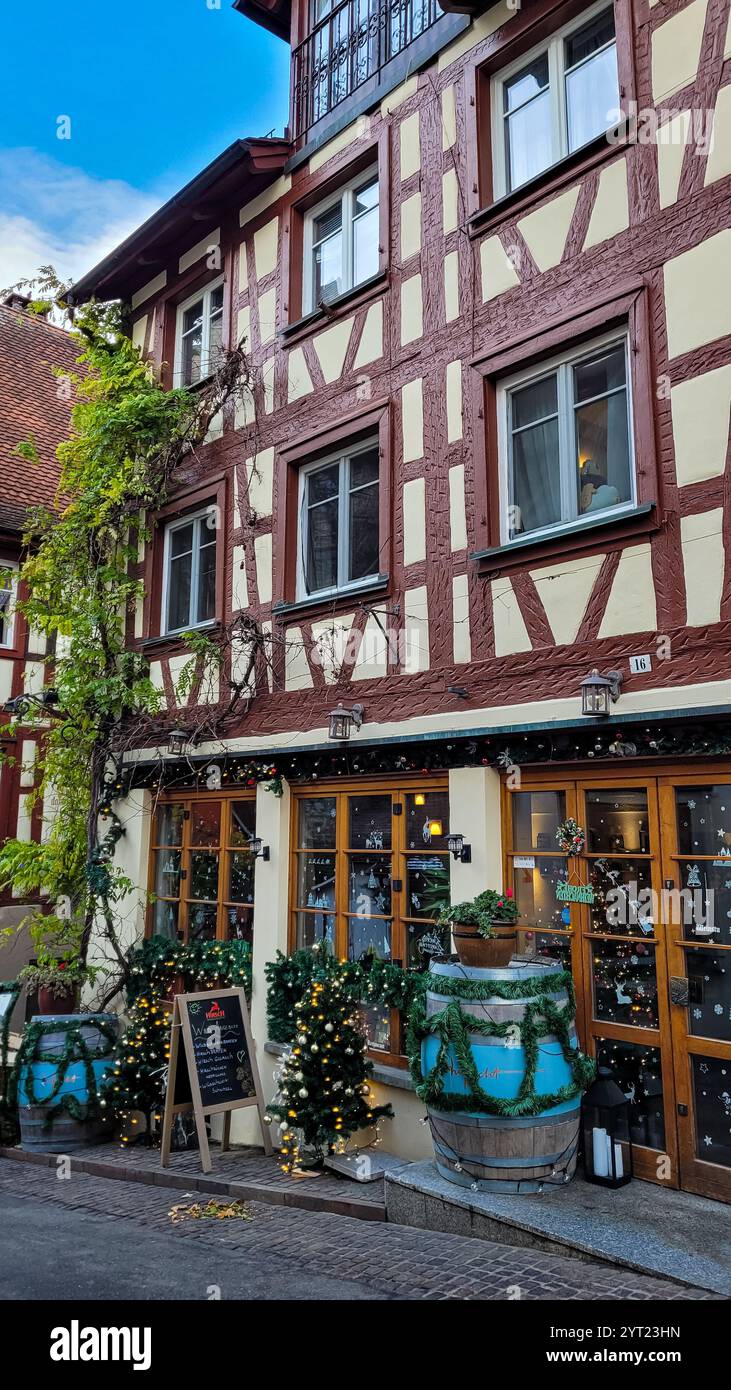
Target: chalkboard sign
(215, 1071)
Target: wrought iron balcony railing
(349, 46)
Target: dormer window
(341, 241)
(199, 335)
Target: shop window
(189, 572)
(199, 335)
(339, 521)
(341, 241)
(202, 869)
(554, 99)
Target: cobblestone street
(55, 1224)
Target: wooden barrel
(489, 1152)
(38, 1076)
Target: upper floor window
(199, 335)
(189, 572)
(7, 595)
(338, 531)
(341, 241)
(555, 99)
(566, 440)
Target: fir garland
(540, 985)
(369, 982)
(74, 1052)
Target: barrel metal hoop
(530, 1161)
(464, 1119)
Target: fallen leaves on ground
(213, 1210)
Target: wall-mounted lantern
(598, 693)
(259, 850)
(342, 721)
(177, 741)
(461, 851)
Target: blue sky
(153, 90)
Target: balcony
(349, 47)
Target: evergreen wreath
(570, 836)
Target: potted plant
(484, 930)
(58, 983)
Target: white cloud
(54, 214)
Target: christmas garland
(203, 964)
(75, 1051)
(371, 982)
(501, 989)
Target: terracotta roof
(29, 405)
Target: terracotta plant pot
(485, 952)
(51, 1003)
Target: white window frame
(204, 294)
(342, 457)
(554, 47)
(566, 438)
(8, 617)
(199, 519)
(345, 195)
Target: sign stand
(216, 1070)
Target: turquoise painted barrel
(40, 1073)
(495, 1153)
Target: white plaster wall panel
(359, 130)
(177, 665)
(202, 248)
(372, 659)
(461, 641)
(412, 420)
(24, 825)
(243, 326)
(698, 294)
(331, 348)
(411, 310)
(267, 314)
(700, 409)
(215, 429)
(449, 118)
(704, 562)
(266, 245)
(370, 347)
(28, 751)
(267, 378)
(511, 634)
(411, 226)
(243, 269)
(564, 590)
(454, 401)
(416, 623)
(263, 558)
(409, 146)
(727, 44)
(497, 270)
(676, 49)
(297, 674)
(457, 510)
(209, 689)
(156, 676)
(331, 640)
(244, 408)
(37, 641)
(265, 200)
(451, 286)
(239, 587)
(450, 202)
(299, 381)
(719, 158)
(610, 213)
(139, 628)
(414, 505)
(400, 94)
(139, 332)
(479, 30)
(240, 657)
(33, 674)
(545, 230)
(152, 287)
(266, 628)
(631, 604)
(672, 138)
(260, 475)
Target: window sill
(336, 308)
(550, 180)
(167, 640)
(575, 536)
(344, 598)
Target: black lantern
(259, 850)
(456, 846)
(607, 1144)
(342, 721)
(598, 693)
(177, 741)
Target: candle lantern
(607, 1143)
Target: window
(341, 241)
(565, 440)
(338, 533)
(202, 869)
(199, 335)
(555, 100)
(189, 572)
(370, 875)
(7, 594)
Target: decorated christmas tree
(324, 1095)
(135, 1082)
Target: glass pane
(167, 873)
(535, 498)
(600, 374)
(367, 196)
(617, 821)
(193, 317)
(547, 946)
(328, 222)
(328, 269)
(623, 902)
(423, 811)
(363, 533)
(526, 84)
(364, 468)
(535, 893)
(368, 936)
(192, 343)
(207, 582)
(202, 921)
(170, 824)
(529, 140)
(370, 885)
(313, 928)
(709, 979)
(534, 402)
(703, 905)
(205, 823)
(243, 822)
(377, 1025)
(536, 818)
(321, 558)
(204, 875)
(215, 339)
(712, 1109)
(592, 97)
(625, 985)
(602, 454)
(179, 575)
(316, 823)
(592, 36)
(323, 484)
(241, 877)
(181, 540)
(316, 880)
(704, 820)
(165, 919)
(638, 1070)
(240, 924)
(369, 822)
(427, 884)
(423, 942)
(365, 246)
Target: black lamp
(598, 693)
(456, 846)
(607, 1143)
(177, 741)
(342, 720)
(259, 850)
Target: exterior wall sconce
(598, 693)
(177, 741)
(259, 850)
(456, 846)
(342, 721)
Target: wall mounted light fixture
(599, 693)
(343, 720)
(461, 851)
